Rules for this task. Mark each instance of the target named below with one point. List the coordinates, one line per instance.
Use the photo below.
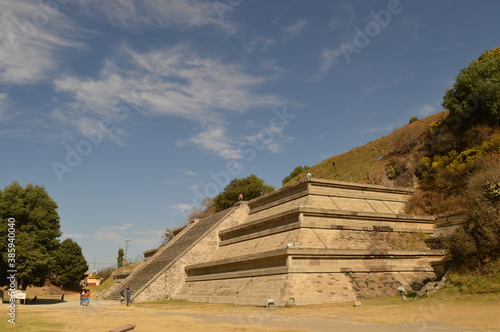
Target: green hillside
(428, 155)
(376, 161)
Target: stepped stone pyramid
(316, 241)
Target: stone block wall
(304, 288)
(245, 291)
(257, 245)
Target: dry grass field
(444, 312)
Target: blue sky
(130, 112)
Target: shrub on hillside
(398, 172)
(476, 135)
(440, 139)
(426, 202)
(407, 141)
(449, 172)
(478, 242)
(485, 280)
(413, 119)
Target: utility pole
(126, 247)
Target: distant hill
(427, 154)
(374, 162)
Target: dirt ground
(441, 313)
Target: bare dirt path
(105, 315)
(320, 324)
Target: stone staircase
(166, 256)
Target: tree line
(36, 251)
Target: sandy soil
(430, 315)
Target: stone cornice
(304, 187)
(291, 219)
(334, 261)
(321, 253)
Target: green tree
(70, 265)
(413, 119)
(37, 230)
(120, 258)
(475, 96)
(296, 172)
(251, 187)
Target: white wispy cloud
(193, 187)
(31, 36)
(329, 57)
(157, 232)
(171, 181)
(214, 140)
(293, 30)
(167, 82)
(188, 172)
(117, 227)
(426, 110)
(259, 43)
(388, 128)
(75, 235)
(3, 105)
(344, 18)
(272, 66)
(134, 15)
(271, 139)
(89, 125)
(181, 207)
(118, 234)
(107, 236)
(149, 242)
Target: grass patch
(177, 305)
(482, 281)
(479, 311)
(473, 311)
(367, 163)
